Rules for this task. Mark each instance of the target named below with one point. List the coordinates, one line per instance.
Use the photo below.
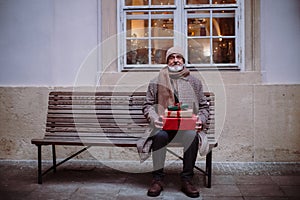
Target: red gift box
(175, 123)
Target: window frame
(180, 8)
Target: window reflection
(160, 47)
(199, 51)
(140, 55)
(137, 52)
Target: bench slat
(90, 129)
(91, 134)
(98, 111)
(96, 125)
(94, 120)
(81, 142)
(84, 93)
(93, 116)
(94, 107)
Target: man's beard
(175, 68)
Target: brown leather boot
(155, 189)
(190, 190)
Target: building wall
(280, 28)
(45, 42)
(52, 44)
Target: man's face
(175, 62)
(175, 59)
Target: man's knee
(160, 140)
(190, 138)
(161, 135)
(190, 135)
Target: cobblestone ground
(93, 180)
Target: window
(209, 30)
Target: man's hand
(199, 125)
(158, 123)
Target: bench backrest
(90, 114)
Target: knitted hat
(175, 49)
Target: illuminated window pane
(136, 2)
(162, 28)
(223, 51)
(137, 27)
(162, 25)
(198, 27)
(197, 1)
(162, 2)
(136, 13)
(224, 1)
(198, 23)
(199, 51)
(224, 23)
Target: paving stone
(93, 196)
(261, 190)
(223, 198)
(221, 191)
(137, 197)
(254, 180)
(286, 180)
(291, 191)
(223, 179)
(267, 198)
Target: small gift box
(174, 123)
(178, 110)
(179, 113)
(178, 106)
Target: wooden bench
(102, 119)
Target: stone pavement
(81, 180)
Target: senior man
(173, 84)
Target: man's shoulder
(193, 79)
(154, 80)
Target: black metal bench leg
(39, 164)
(209, 168)
(54, 158)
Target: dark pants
(189, 141)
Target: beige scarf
(165, 90)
